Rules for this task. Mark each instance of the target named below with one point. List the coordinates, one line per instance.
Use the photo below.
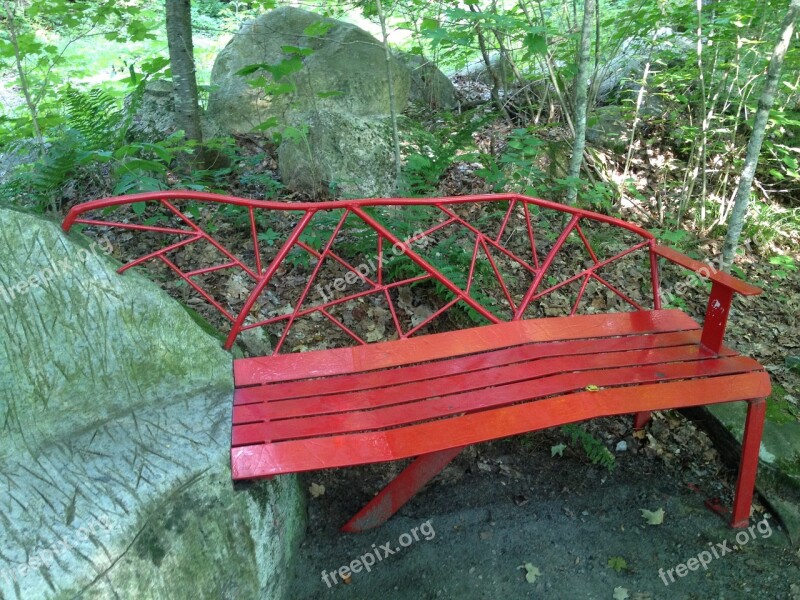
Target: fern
(595, 451)
(96, 116)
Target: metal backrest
(326, 274)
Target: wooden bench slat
(383, 355)
(531, 371)
(264, 460)
(339, 384)
(475, 400)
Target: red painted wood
(391, 415)
(383, 355)
(751, 443)
(339, 384)
(717, 311)
(362, 448)
(400, 490)
(577, 368)
(707, 271)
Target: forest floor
(579, 528)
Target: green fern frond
(96, 115)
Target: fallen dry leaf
(316, 490)
(654, 517)
(531, 572)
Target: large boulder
(328, 65)
(116, 433)
(339, 154)
(429, 86)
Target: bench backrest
(355, 265)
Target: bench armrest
(707, 271)
(719, 302)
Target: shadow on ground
(509, 503)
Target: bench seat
(405, 398)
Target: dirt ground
(577, 526)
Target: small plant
(594, 449)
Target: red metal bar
(545, 265)
(426, 266)
(310, 282)
(586, 243)
(254, 233)
(158, 253)
(132, 226)
(654, 276)
(746, 481)
(530, 236)
(315, 206)
(591, 271)
(498, 275)
(208, 298)
(505, 220)
(494, 244)
(265, 278)
(400, 490)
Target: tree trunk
(581, 101)
(737, 218)
(392, 100)
(23, 79)
(181, 58)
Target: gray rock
(429, 85)
(341, 154)
(344, 70)
(154, 116)
(116, 431)
(477, 71)
(622, 74)
(609, 126)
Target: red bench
(508, 261)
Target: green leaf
(268, 124)
(250, 69)
(318, 28)
(535, 43)
(617, 563)
(297, 50)
(557, 449)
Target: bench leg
(640, 419)
(400, 490)
(751, 442)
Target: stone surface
(609, 126)
(477, 71)
(429, 86)
(341, 69)
(154, 117)
(115, 478)
(340, 154)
